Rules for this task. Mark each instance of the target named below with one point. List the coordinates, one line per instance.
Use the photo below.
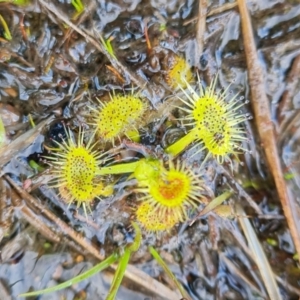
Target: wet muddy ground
(52, 74)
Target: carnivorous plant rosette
(177, 71)
(168, 192)
(173, 191)
(215, 122)
(119, 116)
(151, 220)
(74, 167)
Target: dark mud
(49, 70)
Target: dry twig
(236, 234)
(259, 256)
(61, 224)
(5, 294)
(287, 286)
(264, 123)
(287, 97)
(33, 219)
(240, 274)
(200, 29)
(149, 283)
(131, 273)
(214, 11)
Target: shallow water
(45, 70)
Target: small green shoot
(35, 166)
(78, 6)
(215, 203)
(108, 46)
(169, 272)
(20, 2)
(7, 33)
(31, 121)
(2, 133)
(163, 27)
(118, 277)
(272, 242)
(144, 170)
(138, 238)
(289, 176)
(98, 268)
(47, 245)
(16, 2)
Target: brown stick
(286, 100)
(32, 218)
(214, 11)
(152, 285)
(47, 230)
(240, 274)
(221, 9)
(201, 26)
(262, 115)
(61, 224)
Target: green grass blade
(124, 262)
(6, 33)
(215, 203)
(2, 133)
(138, 238)
(98, 268)
(169, 272)
(119, 275)
(78, 5)
(108, 47)
(35, 166)
(16, 2)
(20, 2)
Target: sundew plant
(120, 116)
(74, 167)
(215, 122)
(153, 220)
(177, 72)
(165, 192)
(175, 189)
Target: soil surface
(53, 76)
